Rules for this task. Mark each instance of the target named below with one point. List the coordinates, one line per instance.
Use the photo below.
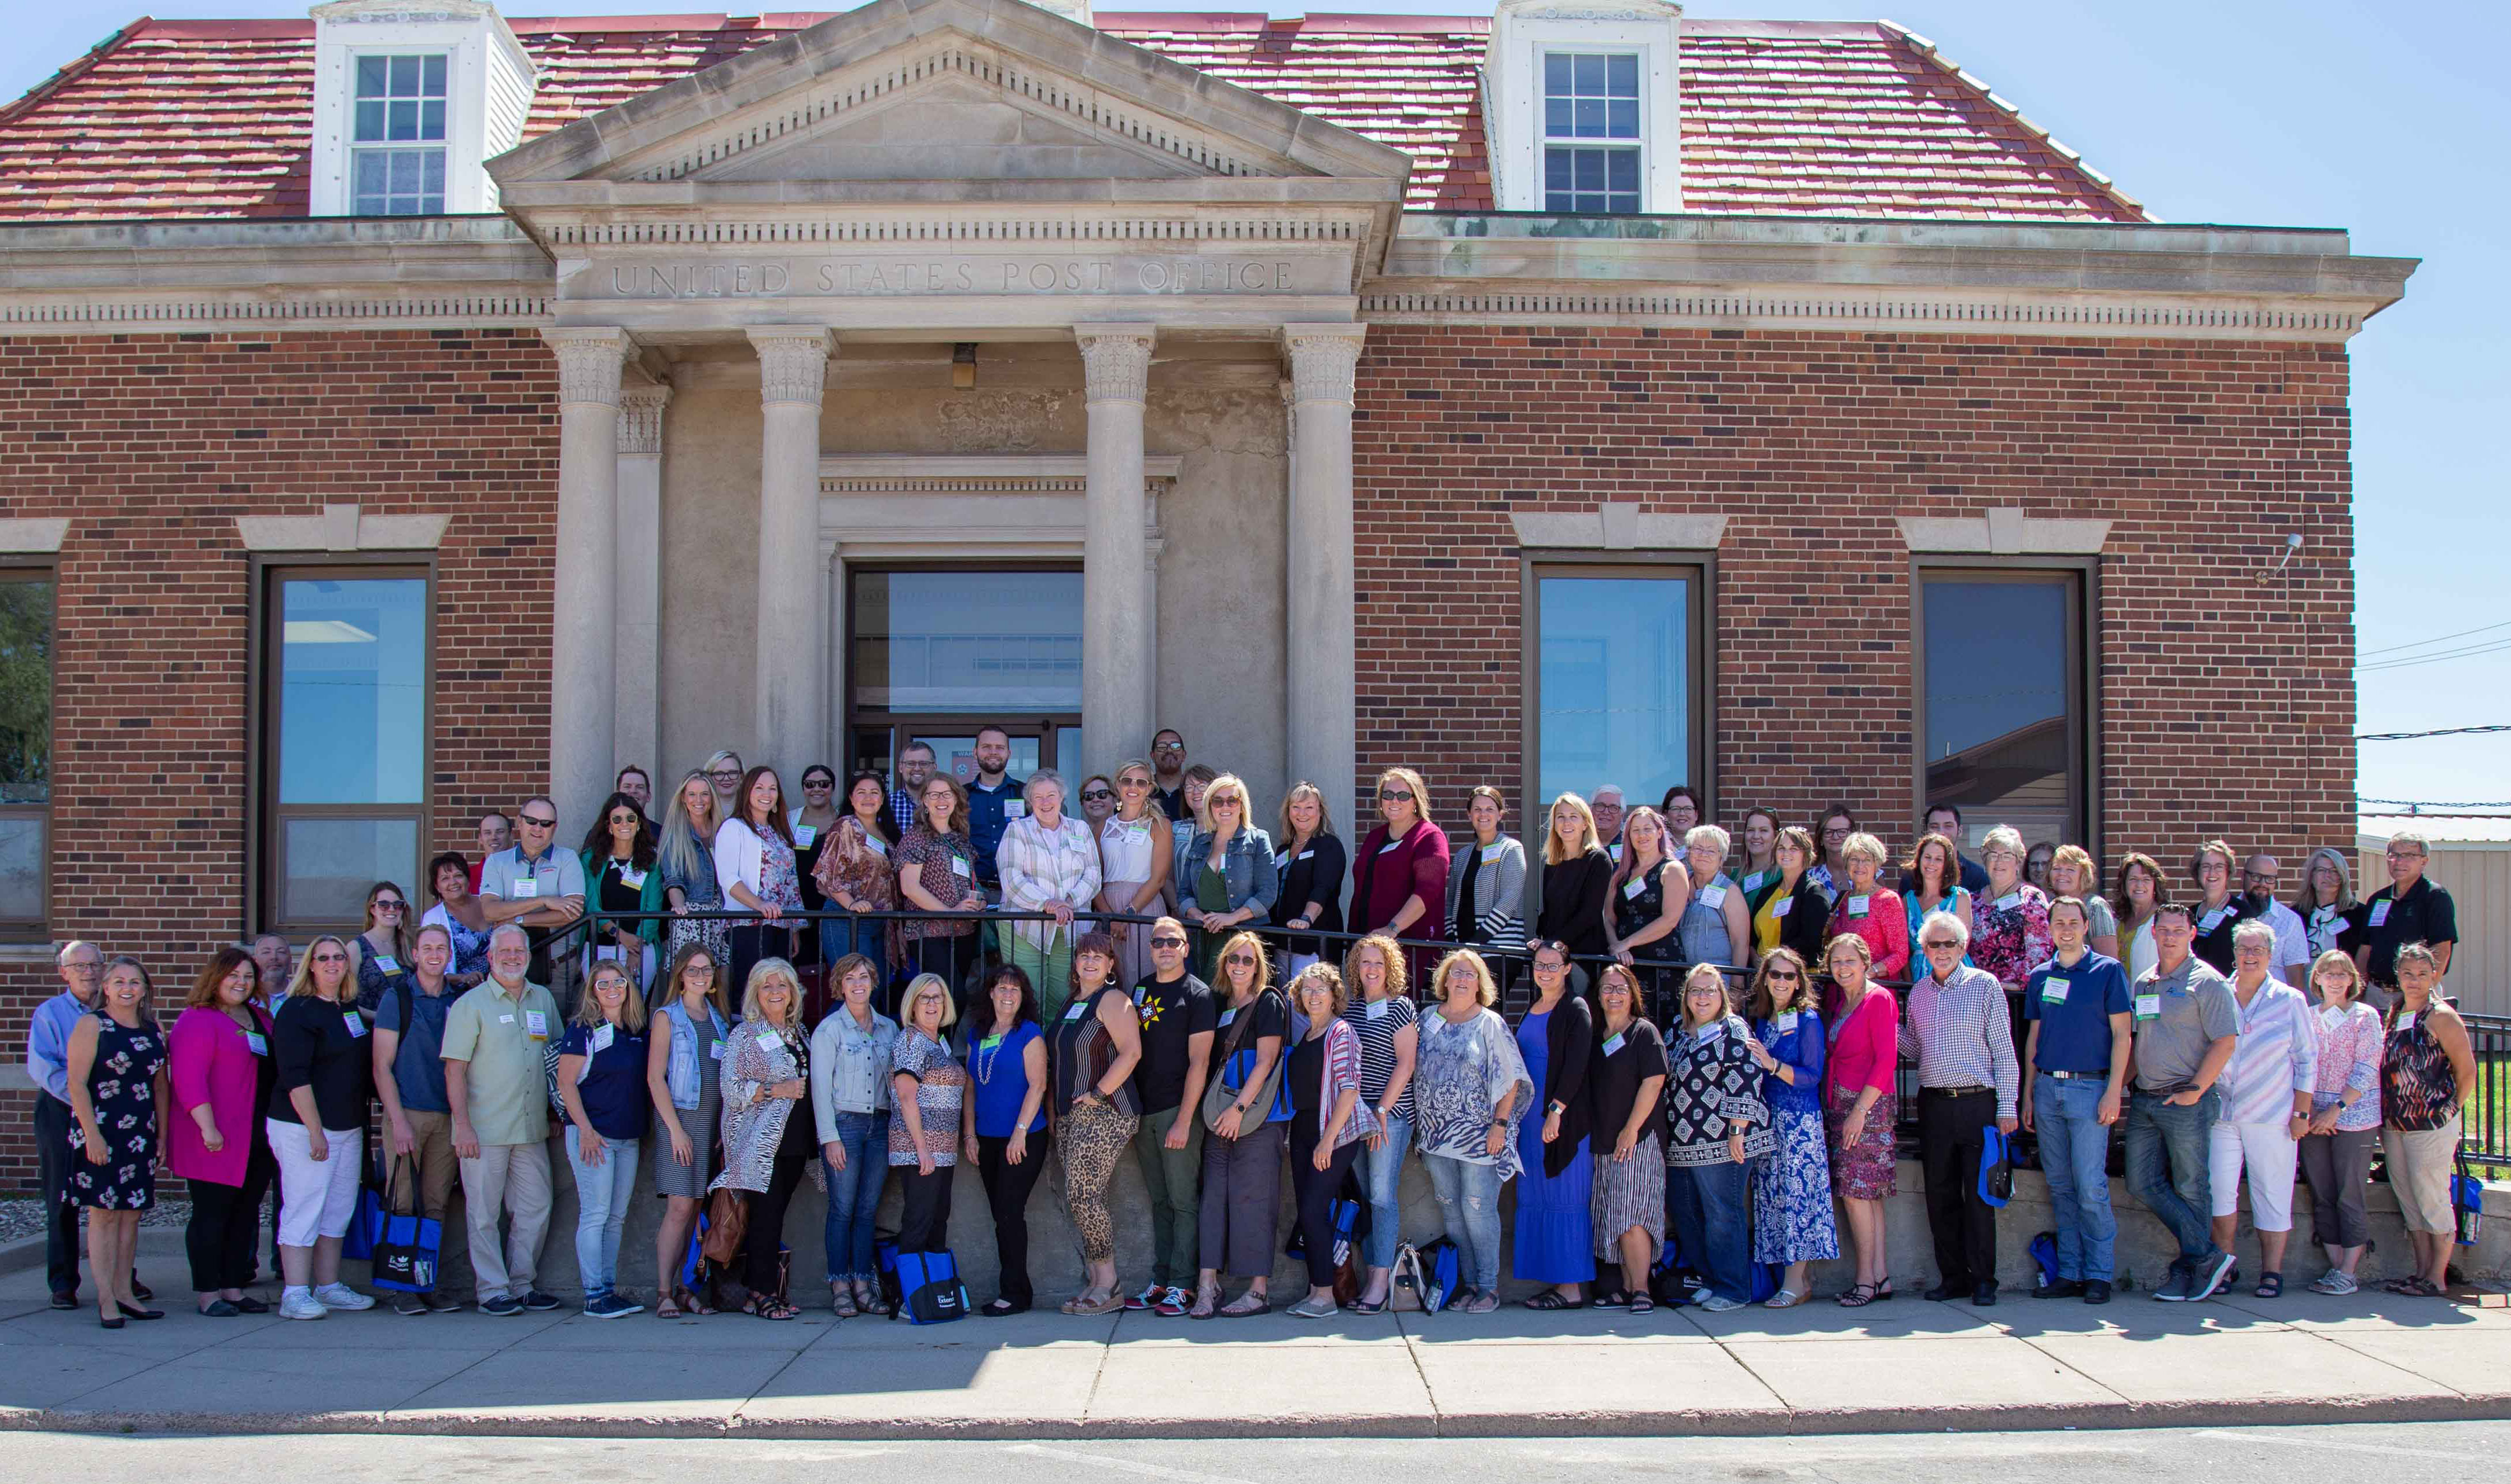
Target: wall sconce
(963, 365)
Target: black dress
(122, 1083)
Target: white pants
(316, 1198)
(2268, 1153)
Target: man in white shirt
(2292, 938)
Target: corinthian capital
(1323, 360)
(588, 361)
(640, 420)
(792, 363)
(1116, 360)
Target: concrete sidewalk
(1903, 1366)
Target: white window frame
(1526, 31)
(352, 145)
(489, 82)
(1545, 141)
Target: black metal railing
(2485, 1129)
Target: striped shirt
(1958, 1031)
(1041, 866)
(2276, 1055)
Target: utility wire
(2414, 804)
(2436, 639)
(2437, 732)
(2493, 647)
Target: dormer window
(397, 148)
(1591, 132)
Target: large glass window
(1591, 131)
(346, 727)
(1616, 681)
(2002, 708)
(25, 748)
(397, 153)
(937, 652)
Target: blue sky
(2386, 119)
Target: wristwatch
(1554, 1108)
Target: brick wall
(2226, 694)
(151, 444)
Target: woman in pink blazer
(221, 1072)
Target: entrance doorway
(935, 652)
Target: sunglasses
(1394, 796)
(330, 958)
(1094, 795)
(548, 823)
(1941, 947)
(625, 818)
(386, 905)
(1240, 960)
(1784, 977)
(1168, 942)
(819, 782)
(1168, 746)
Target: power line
(2494, 647)
(2437, 732)
(2436, 639)
(2414, 804)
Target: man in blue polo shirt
(2077, 1005)
(994, 801)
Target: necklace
(989, 1048)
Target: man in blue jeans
(2078, 1008)
(2185, 1024)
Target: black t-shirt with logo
(1171, 1013)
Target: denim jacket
(850, 1068)
(682, 1073)
(1247, 865)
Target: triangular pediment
(939, 90)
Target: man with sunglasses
(1168, 773)
(1178, 1019)
(2077, 1006)
(535, 885)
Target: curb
(1740, 1421)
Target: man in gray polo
(538, 886)
(2185, 1024)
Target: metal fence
(2485, 1132)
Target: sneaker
(441, 1302)
(2064, 1288)
(610, 1306)
(2097, 1291)
(538, 1301)
(1718, 1303)
(412, 1303)
(2211, 1275)
(342, 1296)
(1315, 1308)
(2334, 1283)
(300, 1303)
(500, 1306)
(2174, 1289)
(1151, 1294)
(1172, 1302)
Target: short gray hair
(1708, 835)
(502, 929)
(62, 958)
(2252, 931)
(2005, 837)
(1936, 920)
(1602, 789)
(1043, 775)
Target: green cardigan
(648, 899)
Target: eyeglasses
(530, 823)
(2404, 855)
(1168, 746)
(1168, 942)
(732, 774)
(1544, 965)
(330, 958)
(1394, 796)
(698, 972)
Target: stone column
(793, 665)
(581, 674)
(638, 581)
(1322, 708)
(1117, 686)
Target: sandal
(690, 1304)
(1785, 1298)
(1884, 1291)
(1858, 1297)
(1550, 1301)
(763, 1305)
(1248, 1306)
(1083, 1306)
(844, 1305)
(1642, 1303)
(1363, 1305)
(2415, 1288)
(668, 1308)
(1206, 1301)
(2270, 1286)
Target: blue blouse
(1796, 1040)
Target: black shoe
(130, 1313)
(67, 1300)
(2097, 1291)
(1945, 1293)
(538, 1301)
(2064, 1288)
(1983, 1295)
(219, 1308)
(109, 1323)
(140, 1291)
(1002, 1309)
(251, 1305)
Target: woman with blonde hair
(1861, 1101)
(119, 1106)
(934, 1116)
(317, 1123)
(1471, 1094)
(723, 772)
(767, 1144)
(2073, 873)
(1136, 857)
(1869, 910)
(380, 954)
(1228, 870)
(1310, 858)
(1400, 877)
(685, 855)
(1390, 1044)
(1577, 880)
(1241, 1147)
(602, 1078)
(1717, 1125)
(2330, 914)
(691, 1024)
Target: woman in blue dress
(1556, 1225)
(1791, 1217)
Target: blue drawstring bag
(2044, 1255)
(1995, 1168)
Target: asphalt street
(2405, 1452)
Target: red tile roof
(213, 118)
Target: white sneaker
(1718, 1303)
(342, 1296)
(299, 1304)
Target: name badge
(1613, 1044)
(254, 1042)
(993, 1041)
(1228, 1015)
(2379, 914)
(875, 844)
(1014, 809)
(505, 1019)
(962, 868)
(1614, 850)
(1857, 905)
(1780, 908)
(2212, 921)
(2147, 1006)
(1634, 886)
(536, 1024)
(2330, 1016)
(385, 963)
(1388, 845)
(2406, 1020)
(1305, 854)
(1074, 1013)
(1785, 1022)
(527, 886)
(1712, 898)
(1491, 854)
(355, 1022)
(1376, 1009)
(1713, 1032)
(717, 1050)
(1752, 883)
(804, 835)
(2053, 990)
(601, 1037)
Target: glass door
(935, 653)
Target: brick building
(414, 409)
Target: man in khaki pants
(409, 1082)
(493, 1039)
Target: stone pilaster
(793, 664)
(638, 581)
(1117, 608)
(1321, 704)
(582, 662)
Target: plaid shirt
(902, 808)
(1959, 1033)
(1039, 866)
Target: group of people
(1706, 1055)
